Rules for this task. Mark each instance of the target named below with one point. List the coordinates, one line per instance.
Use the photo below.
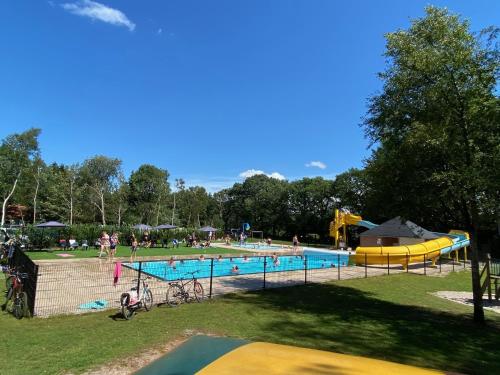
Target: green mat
(192, 356)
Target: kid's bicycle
(184, 291)
(16, 301)
(132, 301)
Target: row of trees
(96, 191)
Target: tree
(148, 190)
(101, 176)
(310, 203)
(17, 153)
(351, 189)
(437, 122)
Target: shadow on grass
(348, 320)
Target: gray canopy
(165, 226)
(51, 224)
(142, 227)
(208, 229)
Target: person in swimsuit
(113, 243)
(104, 243)
(133, 248)
(295, 241)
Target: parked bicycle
(184, 291)
(16, 299)
(132, 301)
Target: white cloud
(317, 164)
(253, 172)
(98, 11)
(276, 175)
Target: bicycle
(16, 298)
(180, 291)
(131, 301)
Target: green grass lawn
(124, 251)
(390, 317)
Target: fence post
(425, 266)
(388, 263)
(211, 276)
(139, 277)
(265, 266)
(464, 258)
(440, 261)
(453, 263)
(407, 263)
(366, 266)
(305, 269)
(338, 266)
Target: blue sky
(209, 90)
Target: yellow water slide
(403, 254)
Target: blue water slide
(459, 241)
(366, 224)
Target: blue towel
(99, 304)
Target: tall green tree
(148, 192)
(437, 122)
(310, 204)
(17, 153)
(101, 176)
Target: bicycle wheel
(148, 300)
(19, 307)
(26, 310)
(198, 291)
(174, 295)
(8, 282)
(127, 313)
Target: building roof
(398, 227)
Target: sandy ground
(465, 298)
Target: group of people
(108, 244)
(192, 241)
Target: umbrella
(165, 226)
(208, 229)
(142, 227)
(51, 224)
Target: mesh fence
(80, 286)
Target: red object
(117, 272)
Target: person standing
(295, 241)
(133, 248)
(113, 243)
(104, 243)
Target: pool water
(181, 268)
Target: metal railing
(84, 285)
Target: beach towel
(95, 305)
(117, 273)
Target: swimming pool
(251, 265)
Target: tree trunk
(4, 205)
(71, 186)
(102, 210)
(476, 280)
(37, 178)
(173, 212)
(119, 214)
